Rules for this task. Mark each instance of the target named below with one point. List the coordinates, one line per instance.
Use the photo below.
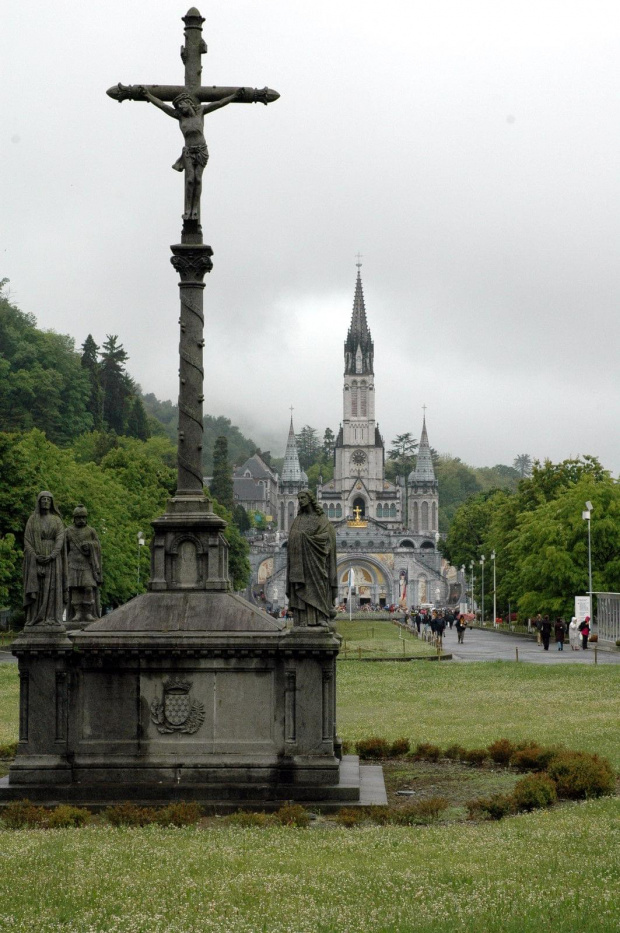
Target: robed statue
(311, 578)
(45, 565)
(84, 570)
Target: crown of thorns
(184, 96)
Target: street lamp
(471, 567)
(482, 560)
(464, 581)
(587, 517)
(140, 544)
(494, 592)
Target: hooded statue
(45, 564)
(311, 578)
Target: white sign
(582, 608)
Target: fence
(608, 616)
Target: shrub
(8, 751)
(531, 757)
(128, 814)
(347, 747)
(292, 814)
(495, 807)
(66, 815)
(400, 747)
(476, 756)
(379, 814)
(424, 751)
(21, 813)
(350, 816)
(248, 818)
(501, 751)
(421, 812)
(373, 747)
(455, 752)
(579, 774)
(183, 813)
(534, 791)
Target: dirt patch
(453, 780)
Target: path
(487, 645)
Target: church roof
(256, 467)
(291, 470)
(424, 471)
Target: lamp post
(471, 567)
(464, 581)
(587, 517)
(494, 592)
(140, 544)
(482, 560)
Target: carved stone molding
(192, 261)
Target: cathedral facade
(386, 533)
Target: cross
(358, 256)
(189, 108)
(358, 512)
(191, 258)
(424, 407)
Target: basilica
(386, 533)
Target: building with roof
(386, 533)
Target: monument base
(181, 696)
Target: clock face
(359, 457)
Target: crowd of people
(578, 632)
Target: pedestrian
(584, 628)
(538, 623)
(545, 632)
(461, 624)
(560, 633)
(573, 634)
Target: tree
(329, 442)
(238, 549)
(137, 422)
(116, 386)
(90, 362)
(523, 464)
(308, 446)
(222, 482)
(402, 453)
(240, 518)
(455, 483)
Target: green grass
(380, 640)
(474, 704)
(556, 870)
(9, 703)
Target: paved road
(481, 645)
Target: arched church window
(392, 511)
(354, 400)
(359, 503)
(282, 526)
(424, 519)
(363, 401)
(434, 526)
(332, 510)
(416, 520)
(379, 511)
(338, 511)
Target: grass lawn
(379, 639)
(524, 874)
(556, 869)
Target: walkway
(487, 645)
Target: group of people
(578, 632)
(433, 623)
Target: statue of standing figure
(311, 577)
(45, 565)
(190, 115)
(84, 563)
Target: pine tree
(222, 482)
(116, 385)
(137, 422)
(90, 362)
(308, 446)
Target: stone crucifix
(191, 258)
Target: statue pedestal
(181, 695)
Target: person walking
(560, 633)
(460, 628)
(538, 623)
(573, 634)
(584, 628)
(545, 632)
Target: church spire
(291, 470)
(358, 347)
(424, 471)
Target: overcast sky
(469, 150)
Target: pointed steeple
(358, 347)
(424, 471)
(291, 470)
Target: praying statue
(84, 570)
(45, 565)
(195, 155)
(311, 578)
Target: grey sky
(470, 151)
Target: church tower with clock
(359, 488)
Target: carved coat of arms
(177, 711)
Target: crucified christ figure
(195, 155)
